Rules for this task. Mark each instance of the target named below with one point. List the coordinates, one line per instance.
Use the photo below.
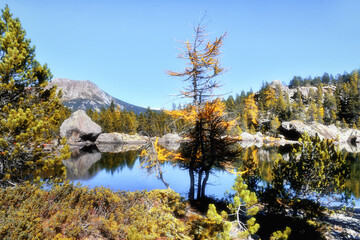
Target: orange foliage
(251, 110)
(203, 65)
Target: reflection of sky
(179, 180)
(137, 179)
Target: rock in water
(170, 138)
(120, 138)
(294, 129)
(79, 127)
(171, 141)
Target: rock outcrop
(348, 139)
(305, 91)
(171, 141)
(170, 138)
(294, 129)
(120, 138)
(79, 128)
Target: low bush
(68, 211)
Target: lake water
(123, 171)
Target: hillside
(326, 100)
(86, 95)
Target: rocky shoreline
(80, 130)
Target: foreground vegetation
(67, 212)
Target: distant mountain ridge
(83, 94)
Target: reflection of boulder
(81, 160)
(258, 140)
(79, 127)
(116, 148)
(120, 138)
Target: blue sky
(125, 47)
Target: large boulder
(170, 137)
(350, 136)
(79, 127)
(120, 138)
(294, 129)
(171, 141)
(247, 137)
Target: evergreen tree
(298, 108)
(330, 108)
(325, 79)
(314, 166)
(348, 98)
(230, 104)
(30, 114)
(311, 113)
(281, 104)
(295, 82)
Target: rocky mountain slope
(85, 94)
(303, 90)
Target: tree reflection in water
(115, 162)
(152, 156)
(257, 165)
(313, 175)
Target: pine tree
(311, 112)
(330, 108)
(30, 113)
(281, 105)
(314, 166)
(298, 108)
(348, 99)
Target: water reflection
(122, 171)
(311, 175)
(78, 166)
(353, 183)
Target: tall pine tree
(30, 113)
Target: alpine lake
(121, 167)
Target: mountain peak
(84, 94)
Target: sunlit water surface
(123, 171)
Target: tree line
(333, 100)
(151, 122)
(330, 101)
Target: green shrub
(30, 212)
